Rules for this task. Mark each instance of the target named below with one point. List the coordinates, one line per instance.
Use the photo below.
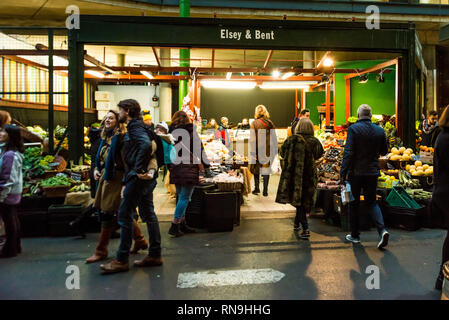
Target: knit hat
(163, 125)
(147, 117)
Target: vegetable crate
(398, 197)
(56, 192)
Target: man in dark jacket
(365, 143)
(429, 129)
(139, 184)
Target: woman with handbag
(184, 173)
(109, 170)
(11, 187)
(298, 182)
(263, 148)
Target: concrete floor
(324, 267)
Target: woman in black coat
(185, 171)
(441, 184)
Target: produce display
(329, 166)
(37, 130)
(80, 188)
(386, 181)
(57, 181)
(34, 164)
(407, 182)
(420, 169)
(401, 154)
(419, 194)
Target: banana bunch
(80, 188)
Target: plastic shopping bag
(346, 194)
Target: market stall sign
(247, 34)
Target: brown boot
(101, 252)
(148, 262)
(114, 266)
(139, 240)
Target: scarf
(428, 128)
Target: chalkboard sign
(236, 104)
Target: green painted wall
(380, 96)
(314, 99)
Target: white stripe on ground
(228, 278)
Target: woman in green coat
(298, 181)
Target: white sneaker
(383, 239)
(352, 239)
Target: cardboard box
(426, 157)
(104, 96)
(104, 105)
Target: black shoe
(175, 230)
(185, 228)
(265, 194)
(296, 227)
(256, 191)
(305, 234)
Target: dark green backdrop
(236, 104)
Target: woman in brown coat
(109, 170)
(263, 148)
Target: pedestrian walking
(11, 187)
(365, 143)
(263, 148)
(441, 185)
(298, 182)
(184, 174)
(109, 171)
(139, 183)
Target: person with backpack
(108, 172)
(184, 173)
(261, 163)
(138, 185)
(11, 187)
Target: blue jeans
(369, 186)
(184, 195)
(138, 193)
(301, 217)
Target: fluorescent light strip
(95, 73)
(147, 74)
(228, 84)
(287, 75)
(228, 75)
(286, 84)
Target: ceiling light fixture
(287, 75)
(95, 73)
(286, 84)
(228, 84)
(363, 78)
(228, 75)
(147, 74)
(276, 73)
(328, 62)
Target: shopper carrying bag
(11, 187)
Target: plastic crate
(398, 197)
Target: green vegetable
(61, 180)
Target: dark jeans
(138, 193)
(12, 245)
(301, 217)
(369, 186)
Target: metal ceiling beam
(31, 52)
(267, 60)
(156, 56)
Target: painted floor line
(228, 278)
